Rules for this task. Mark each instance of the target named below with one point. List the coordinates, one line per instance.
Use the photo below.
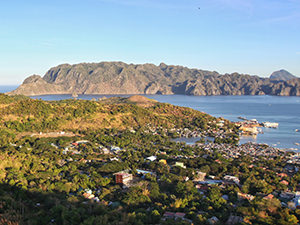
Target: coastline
(263, 108)
(258, 107)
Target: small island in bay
(122, 78)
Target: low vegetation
(71, 179)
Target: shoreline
(261, 107)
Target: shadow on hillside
(19, 206)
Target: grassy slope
(20, 114)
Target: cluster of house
(252, 149)
(203, 184)
(181, 132)
(288, 199)
(197, 132)
(72, 148)
(127, 179)
(88, 194)
(294, 159)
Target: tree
(215, 197)
(285, 218)
(136, 196)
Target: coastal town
(150, 112)
(135, 169)
(202, 180)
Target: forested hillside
(61, 163)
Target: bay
(282, 110)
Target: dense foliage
(44, 180)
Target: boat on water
(297, 143)
(297, 130)
(270, 125)
(291, 149)
(242, 118)
(260, 131)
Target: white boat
(270, 125)
(260, 131)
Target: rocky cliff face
(122, 78)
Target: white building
(151, 158)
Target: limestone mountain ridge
(122, 78)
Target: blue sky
(247, 36)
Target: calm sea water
(283, 110)
(7, 88)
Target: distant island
(122, 78)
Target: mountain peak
(282, 75)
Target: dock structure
(270, 125)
